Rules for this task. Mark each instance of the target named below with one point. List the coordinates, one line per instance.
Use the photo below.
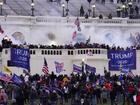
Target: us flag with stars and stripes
(45, 67)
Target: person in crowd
(86, 16)
(44, 97)
(19, 96)
(138, 98)
(100, 16)
(137, 10)
(131, 92)
(82, 12)
(66, 92)
(32, 95)
(3, 97)
(110, 16)
(98, 94)
(53, 98)
(113, 95)
(93, 96)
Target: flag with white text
(77, 69)
(90, 68)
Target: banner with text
(20, 57)
(119, 59)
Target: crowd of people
(131, 11)
(75, 89)
(8, 44)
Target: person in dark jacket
(32, 95)
(82, 12)
(113, 95)
(20, 97)
(138, 98)
(43, 97)
(53, 98)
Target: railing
(44, 20)
(68, 52)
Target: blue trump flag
(125, 58)
(77, 69)
(16, 79)
(125, 70)
(59, 91)
(90, 68)
(20, 57)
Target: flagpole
(83, 65)
(120, 67)
(86, 59)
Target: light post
(63, 6)
(130, 10)
(67, 10)
(89, 10)
(32, 7)
(93, 10)
(1, 4)
(119, 12)
(83, 65)
(123, 11)
(120, 66)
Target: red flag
(74, 35)
(45, 67)
(1, 30)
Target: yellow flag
(6, 69)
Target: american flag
(45, 67)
